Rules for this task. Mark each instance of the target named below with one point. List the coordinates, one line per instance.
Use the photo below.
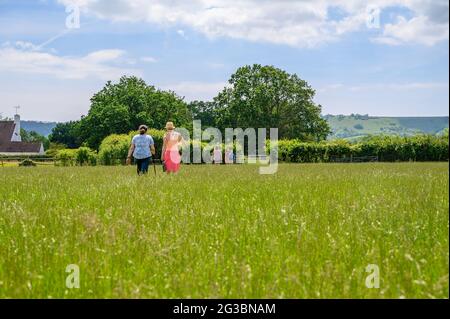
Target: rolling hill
(43, 128)
(355, 125)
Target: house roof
(20, 147)
(6, 146)
(6, 131)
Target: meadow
(308, 231)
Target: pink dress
(172, 156)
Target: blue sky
(397, 67)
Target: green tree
(122, 107)
(67, 133)
(266, 97)
(33, 136)
(203, 111)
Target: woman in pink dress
(170, 154)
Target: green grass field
(226, 231)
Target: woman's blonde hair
(170, 126)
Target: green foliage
(387, 148)
(81, 156)
(114, 149)
(68, 133)
(32, 136)
(205, 112)
(27, 163)
(66, 157)
(122, 107)
(85, 156)
(266, 97)
(415, 148)
(54, 148)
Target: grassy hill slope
(354, 126)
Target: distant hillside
(343, 126)
(43, 128)
(355, 125)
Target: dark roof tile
(6, 131)
(20, 147)
(6, 146)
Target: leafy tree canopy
(33, 136)
(67, 133)
(266, 97)
(122, 107)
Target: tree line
(256, 97)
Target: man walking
(142, 148)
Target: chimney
(16, 135)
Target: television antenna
(17, 108)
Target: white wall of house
(20, 154)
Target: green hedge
(386, 148)
(114, 149)
(80, 156)
(416, 148)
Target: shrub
(54, 148)
(27, 163)
(66, 157)
(387, 148)
(114, 149)
(85, 156)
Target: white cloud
(148, 59)
(416, 30)
(99, 64)
(302, 23)
(181, 33)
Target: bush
(387, 148)
(66, 157)
(114, 149)
(85, 156)
(80, 156)
(27, 163)
(54, 148)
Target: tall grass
(224, 231)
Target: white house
(11, 142)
